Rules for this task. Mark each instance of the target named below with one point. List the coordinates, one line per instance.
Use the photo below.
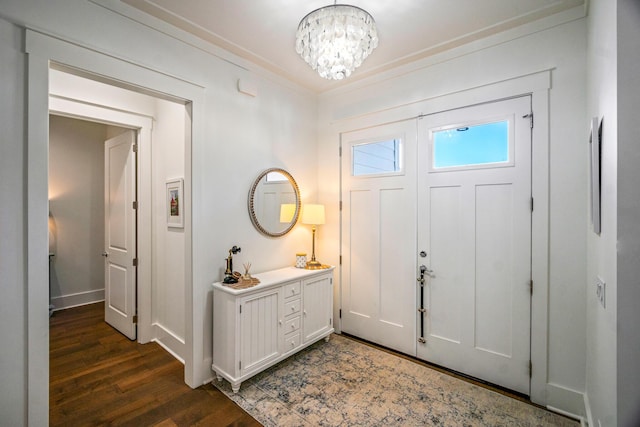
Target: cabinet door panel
(317, 306)
(259, 329)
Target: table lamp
(313, 215)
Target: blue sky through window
(472, 145)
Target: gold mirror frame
(251, 202)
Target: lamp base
(315, 265)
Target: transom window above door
(377, 158)
(482, 145)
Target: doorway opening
(154, 295)
(76, 210)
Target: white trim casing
(42, 50)
(37, 242)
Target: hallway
(99, 377)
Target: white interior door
(474, 223)
(378, 235)
(120, 233)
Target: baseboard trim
(74, 300)
(567, 414)
(168, 340)
(587, 407)
(566, 401)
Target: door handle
(424, 270)
(105, 254)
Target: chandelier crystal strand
(334, 40)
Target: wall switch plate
(600, 290)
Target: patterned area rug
(347, 383)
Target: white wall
(168, 244)
(601, 351)
(628, 268)
(76, 204)
(560, 49)
(13, 325)
(613, 342)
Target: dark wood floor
(99, 377)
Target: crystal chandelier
(334, 40)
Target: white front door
(120, 233)
(474, 226)
(379, 234)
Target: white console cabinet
(257, 327)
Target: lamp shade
(313, 214)
(287, 211)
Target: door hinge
(340, 205)
(330, 321)
(135, 319)
(135, 205)
(530, 117)
(135, 262)
(135, 148)
(331, 281)
(532, 204)
(240, 309)
(340, 151)
(530, 369)
(531, 287)
(340, 259)
(340, 313)
(240, 364)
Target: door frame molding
(538, 85)
(143, 124)
(42, 50)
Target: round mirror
(274, 202)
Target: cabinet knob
(305, 312)
(293, 326)
(293, 344)
(280, 322)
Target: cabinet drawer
(291, 341)
(292, 325)
(291, 289)
(292, 307)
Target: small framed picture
(175, 203)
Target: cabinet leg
(235, 387)
(326, 339)
(218, 377)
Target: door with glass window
(379, 234)
(474, 240)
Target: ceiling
(263, 32)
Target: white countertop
(274, 277)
